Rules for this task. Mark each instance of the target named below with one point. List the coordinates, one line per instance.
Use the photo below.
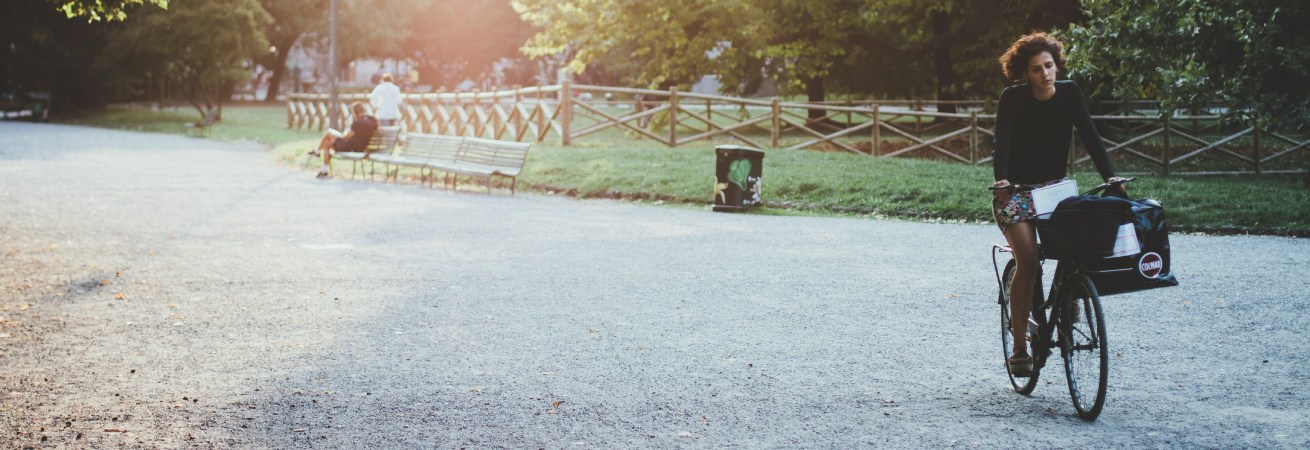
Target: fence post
(566, 112)
(709, 110)
(461, 125)
(973, 137)
(475, 121)
(877, 131)
(518, 112)
(1123, 110)
(1165, 157)
(406, 121)
(541, 116)
(777, 123)
(1256, 124)
(673, 116)
(918, 119)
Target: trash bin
(737, 172)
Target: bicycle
(1073, 308)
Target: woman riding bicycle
(1034, 122)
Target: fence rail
(884, 128)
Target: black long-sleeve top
(1033, 136)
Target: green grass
(252, 121)
(611, 164)
(842, 183)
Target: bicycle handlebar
(1109, 184)
(1092, 191)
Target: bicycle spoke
(1082, 341)
(1023, 386)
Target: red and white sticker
(1150, 265)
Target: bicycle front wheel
(1021, 385)
(1083, 345)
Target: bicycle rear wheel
(1023, 386)
(1083, 345)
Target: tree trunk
(941, 29)
(815, 93)
(279, 69)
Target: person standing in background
(386, 100)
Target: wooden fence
(1178, 144)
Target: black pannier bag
(1084, 228)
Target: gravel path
(160, 291)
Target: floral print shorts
(1018, 208)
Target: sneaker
(322, 175)
(1020, 366)
(313, 153)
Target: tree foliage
(97, 10)
(805, 42)
(655, 44)
(203, 46)
(41, 50)
(946, 48)
(291, 19)
(453, 40)
(1252, 55)
(372, 28)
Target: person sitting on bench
(356, 140)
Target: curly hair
(1015, 60)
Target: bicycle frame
(1072, 299)
(1046, 307)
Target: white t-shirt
(386, 99)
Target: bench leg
(512, 183)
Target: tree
(204, 46)
(366, 29)
(291, 19)
(949, 49)
(453, 40)
(655, 44)
(946, 48)
(373, 28)
(1251, 55)
(806, 41)
(97, 10)
(41, 50)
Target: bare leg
(1023, 241)
(325, 149)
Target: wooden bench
(383, 142)
(460, 156)
(486, 159)
(418, 151)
